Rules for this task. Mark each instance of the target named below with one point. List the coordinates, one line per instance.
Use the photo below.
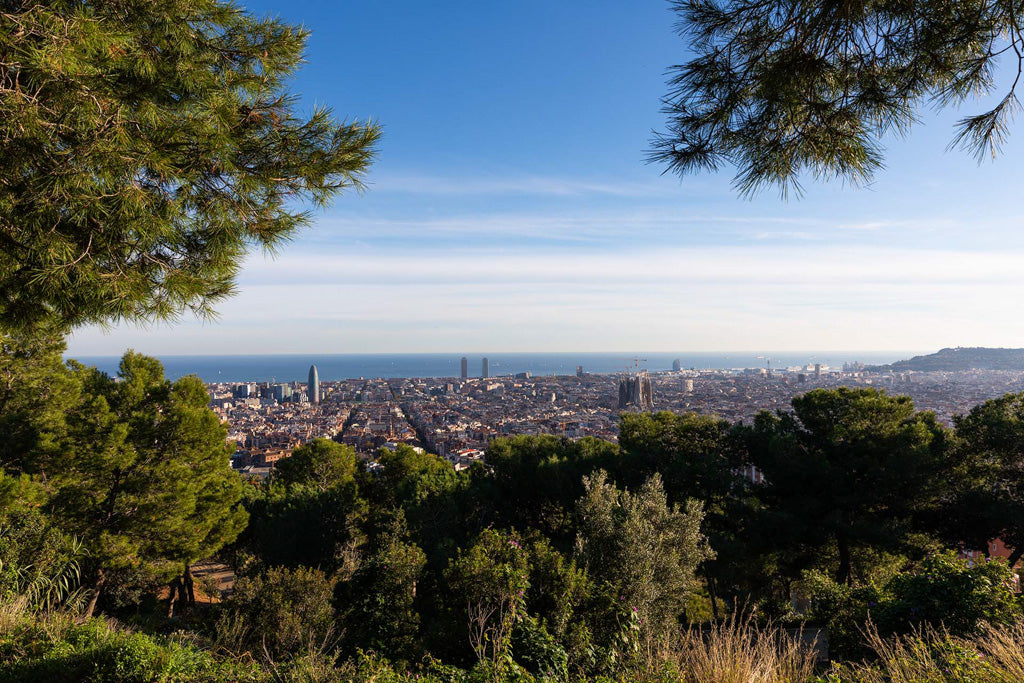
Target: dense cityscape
(457, 417)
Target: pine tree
(782, 88)
(144, 478)
(145, 146)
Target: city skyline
(510, 207)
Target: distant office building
(465, 367)
(485, 368)
(281, 392)
(676, 365)
(817, 370)
(523, 375)
(801, 378)
(688, 386)
(314, 385)
(635, 392)
(244, 391)
(579, 370)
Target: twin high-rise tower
(484, 368)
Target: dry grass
(1003, 650)
(934, 656)
(738, 651)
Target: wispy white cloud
(712, 298)
(667, 266)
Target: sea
(339, 366)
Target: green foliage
(697, 458)
(947, 591)
(38, 563)
(55, 648)
(691, 453)
(841, 608)
(491, 578)
(144, 478)
(848, 468)
(538, 479)
(941, 592)
(778, 89)
(320, 464)
(431, 495)
(643, 549)
(146, 146)
(382, 614)
(539, 652)
(988, 484)
(36, 390)
(304, 526)
(558, 588)
(286, 611)
(409, 477)
(934, 656)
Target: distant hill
(963, 358)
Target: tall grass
(738, 651)
(932, 655)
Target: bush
(943, 591)
(539, 652)
(286, 611)
(54, 648)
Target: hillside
(964, 358)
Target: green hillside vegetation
(963, 358)
(559, 560)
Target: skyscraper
(676, 365)
(465, 367)
(314, 385)
(485, 369)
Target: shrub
(53, 648)
(286, 611)
(943, 591)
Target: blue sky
(510, 209)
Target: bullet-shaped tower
(314, 385)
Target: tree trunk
(97, 587)
(843, 573)
(712, 593)
(188, 584)
(175, 588)
(1015, 557)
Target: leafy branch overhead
(145, 147)
(784, 88)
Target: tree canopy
(782, 88)
(145, 146)
(143, 474)
(850, 468)
(989, 487)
